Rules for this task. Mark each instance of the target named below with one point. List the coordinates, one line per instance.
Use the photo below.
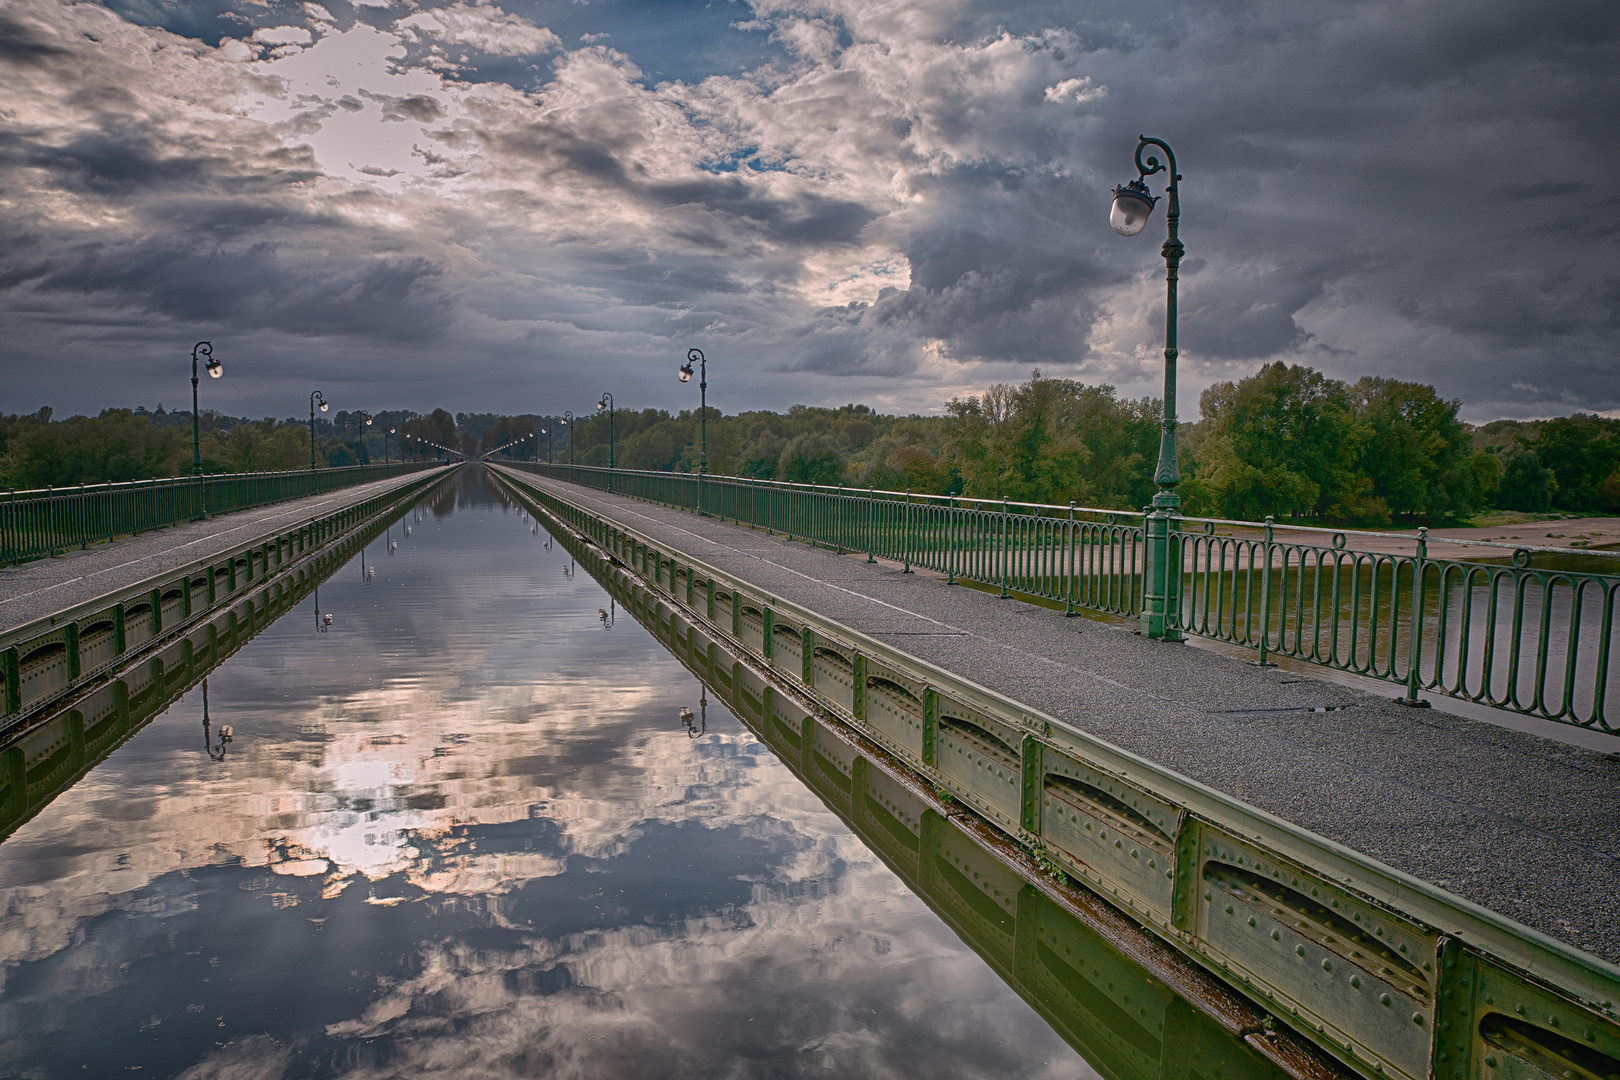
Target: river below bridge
(465, 831)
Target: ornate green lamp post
(1161, 581)
(568, 422)
(607, 404)
(315, 399)
(696, 356)
(205, 351)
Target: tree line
(1285, 441)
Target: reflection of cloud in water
(500, 856)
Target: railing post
(871, 527)
(1265, 594)
(905, 534)
(1414, 651)
(1068, 544)
(1005, 523)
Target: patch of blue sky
(748, 157)
(669, 40)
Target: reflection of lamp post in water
(693, 730)
(225, 732)
(606, 615)
(321, 621)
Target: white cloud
(1078, 91)
(282, 35)
(483, 26)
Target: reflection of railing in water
(41, 762)
(1102, 815)
(1533, 639)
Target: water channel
(464, 829)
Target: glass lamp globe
(323, 406)
(1132, 208)
(215, 369)
(368, 421)
(686, 373)
(601, 406)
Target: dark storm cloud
(1370, 187)
(19, 45)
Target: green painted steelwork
(1353, 953)
(1133, 1008)
(35, 524)
(1491, 627)
(47, 756)
(49, 658)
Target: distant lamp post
(387, 433)
(1161, 583)
(607, 403)
(685, 375)
(216, 750)
(204, 351)
(568, 422)
(547, 433)
(315, 400)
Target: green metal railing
(34, 524)
(1484, 626)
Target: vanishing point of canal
(464, 830)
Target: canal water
(463, 829)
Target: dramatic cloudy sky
(515, 205)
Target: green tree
(1052, 441)
(812, 458)
(1526, 484)
(1281, 441)
(1581, 451)
(1412, 448)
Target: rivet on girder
(1299, 950)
